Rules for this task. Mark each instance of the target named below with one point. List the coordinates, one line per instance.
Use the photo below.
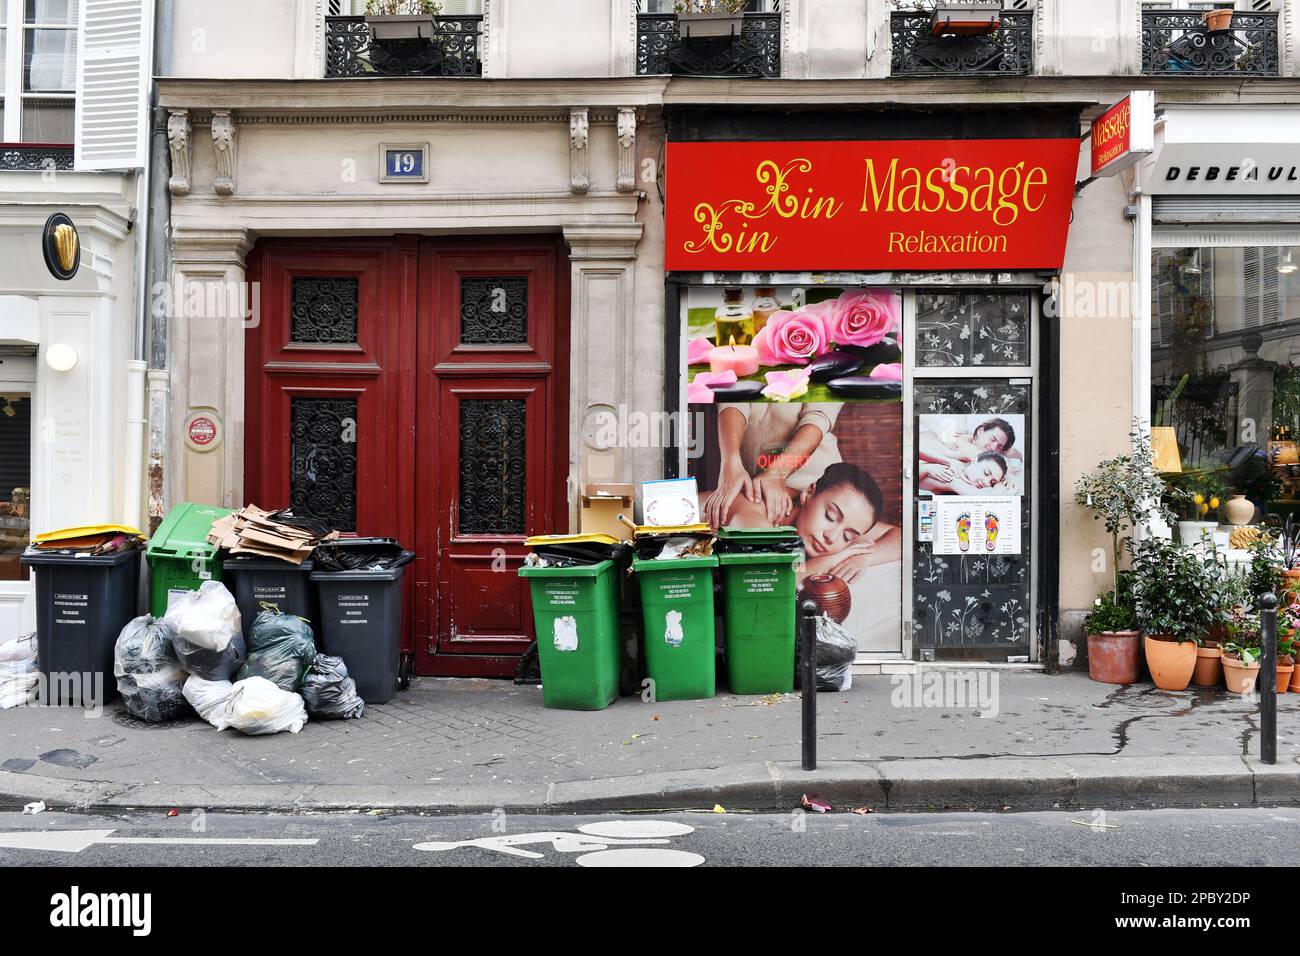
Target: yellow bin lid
(593, 538)
(86, 531)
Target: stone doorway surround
(576, 153)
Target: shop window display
(1225, 382)
(15, 482)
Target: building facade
(419, 287)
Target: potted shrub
(969, 18)
(1196, 495)
(1122, 493)
(1113, 638)
(1287, 620)
(704, 19)
(1219, 19)
(1178, 595)
(1241, 660)
(401, 21)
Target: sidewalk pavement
(1055, 741)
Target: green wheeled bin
(575, 610)
(180, 558)
(677, 610)
(758, 596)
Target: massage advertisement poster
(802, 423)
(976, 525)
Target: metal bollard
(808, 612)
(1268, 678)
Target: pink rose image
(890, 372)
(793, 338)
(697, 351)
(863, 318)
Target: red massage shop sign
(875, 205)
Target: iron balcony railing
(1181, 41)
(453, 50)
(1008, 51)
(35, 157)
(754, 51)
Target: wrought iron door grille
(1009, 51)
(323, 309)
(755, 51)
(351, 51)
(494, 310)
(323, 460)
(1180, 41)
(493, 439)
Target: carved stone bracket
(223, 145)
(579, 154)
(182, 149)
(626, 149)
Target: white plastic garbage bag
(18, 672)
(256, 706)
(209, 698)
(208, 636)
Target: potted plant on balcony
(1178, 595)
(401, 21)
(1123, 493)
(1218, 19)
(968, 18)
(709, 19)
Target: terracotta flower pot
(1285, 673)
(1239, 677)
(1292, 583)
(1209, 669)
(1113, 657)
(1295, 681)
(1219, 19)
(1171, 663)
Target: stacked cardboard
(253, 531)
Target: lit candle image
(741, 359)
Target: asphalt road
(1200, 838)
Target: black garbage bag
(836, 651)
(352, 554)
(149, 674)
(330, 694)
(280, 648)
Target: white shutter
(1250, 276)
(115, 43)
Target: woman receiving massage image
(988, 470)
(953, 463)
(837, 518)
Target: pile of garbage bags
(196, 657)
(18, 673)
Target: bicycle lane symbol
(610, 843)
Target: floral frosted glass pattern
(964, 329)
(974, 603)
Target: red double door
(417, 388)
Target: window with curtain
(15, 481)
(38, 100)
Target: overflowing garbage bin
(179, 554)
(86, 584)
(575, 612)
(359, 593)
(257, 581)
(674, 572)
(758, 596)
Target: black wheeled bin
(82, 603)
(258, 581)
(361, 622)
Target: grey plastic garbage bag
(328, 691)
(280, 648)
(207, 632)
(149, 675)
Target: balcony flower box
(969, 19)
(709, 25)
(401, 27)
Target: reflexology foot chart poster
(969, 524)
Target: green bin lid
(579, 571)
(185, 530)
(756, 535)
(672, 564)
